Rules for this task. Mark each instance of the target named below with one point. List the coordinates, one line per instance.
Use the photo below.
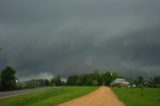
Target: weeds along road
(101, 97)
(7, 94)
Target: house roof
(120, 81)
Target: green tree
(140, 80)
(89, 80)
(8, 79)
(78, 81)
(156, 81)
(72, 80)
(96, 76)
(94, 82)
(83, 78)
(107, 78)
(140, 83)
(114, 75)
(46, 82)
(56, 81)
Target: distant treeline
(92, 79)
(55, 81)
(97, 79)
(8, 80)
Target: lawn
(47, 97)
(135, 96)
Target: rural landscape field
(59, 95)
(79, 53)
(47, 97)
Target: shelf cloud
(64, 37)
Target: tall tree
(8, 79)
(72, 80)
(107, 78)
(140, 80)
(156, 81)
(114, 75)
(56, 81)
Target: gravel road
(101, 97)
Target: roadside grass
(47, 97)
(137, 97)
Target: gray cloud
(77, 36)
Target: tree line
(92, 79)
(8, 80)
(55, 81)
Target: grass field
(47, 97)
(135, 97)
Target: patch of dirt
(101, 97)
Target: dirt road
(101, 97)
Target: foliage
(8, 79)
(35, 83)
(107, 78)
(140, 80)
(153, 82)
(72, 80)
(56, 81)
(94, 82)
(91, 79)
(48, 97)
(156, 81)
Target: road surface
(101, 97)
(7, 94)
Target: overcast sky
(64, 37)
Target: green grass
(47, 97)
(135, 97)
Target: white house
(120, 82)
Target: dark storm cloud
(77, 36)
